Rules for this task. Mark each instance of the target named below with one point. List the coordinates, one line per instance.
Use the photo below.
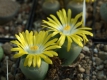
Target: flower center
(34, 48)
(67, 27)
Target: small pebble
(101, 46)
(80, 76)
(100, 67)
(100, 3)
(81, 56)
(84, 61)
(81, 69)
(105, 47)
(66, 79)
(102, 55)
(100, 75)
(85, 48)
(105, 62)
(98, 61)
(95, 50)
(95, 55)
(94, 64)
(94, 73)
(87, 71)
(94, 77)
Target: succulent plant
(72, 33)
(75, 6)
(8, 9)
(1, 53)
(103, 11)
(50, 6)
(35, 48)
(66, 1)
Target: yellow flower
(69, 28)
(36, 46)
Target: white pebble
(95, 50)
(85, 48)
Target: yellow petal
(61, 40)
(52, 21)
(76, 18)
(51, 42)
(30, 38)
(55, 19)
(38, 38)
(69, 43)
(15, 49)
(51, 28)
(17, 55)
(77, 37)
(69, 16)
(77, 41)
(55, 33)
(78, 24)
(26, 37)
(34, 61)
(47, 53)
(64, 16)
(38, 61)
(30, 57)
(52, 47)
(47, 38)
(48, 60)
(26, 61)
(17, 43)
(41, 37)
(85, 38)
(85, 28)
(49, 24)
(19, 39)
(53, 53)
(86, 32)
(23, 39)
(34, 40)
(83, 31)
(59, 14)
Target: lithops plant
(75, 6)
(72, 34)
(66, 1)
(8, 9)
(50, 6)
(1, 53)
(35, 52)
(103, 11)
